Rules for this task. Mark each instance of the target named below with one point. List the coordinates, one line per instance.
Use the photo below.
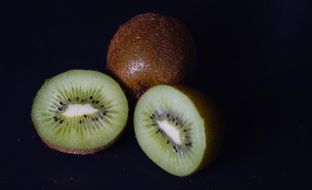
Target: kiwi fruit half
(79, 111)
(178, 128)
(150, 49)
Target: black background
(252, 60)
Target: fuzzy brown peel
(213, 124)
(150, 49)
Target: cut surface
(79, 111)
(170, 130)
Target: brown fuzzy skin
(150, 49)
(213, 124)
(77, 151)
(74, 151)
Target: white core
(79, 110)
(170, 130)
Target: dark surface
(253, 61)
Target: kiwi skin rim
(213, 124)
(79, 151)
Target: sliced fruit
(79, 111)
(178, 128)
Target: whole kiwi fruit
(150, 49)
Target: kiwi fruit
(79, 111)
(150, 49)
(178, 128)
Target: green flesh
(83, 131)
(167, 103)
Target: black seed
(80, 121)
(157, 131)
(62, 103)
(177, 123)
(168, 115)
(91, 97)
(84, 115)
(93, 101)
(151, 117)
(102, 106)
(60, 108)
(61, 121)
(175, 148)
(82, 101)
(77, 98)
(167, 141)
(173, 119)
(93, 119)
(97, 102)
(96, 119)
(185, 130)
(104, 112)
(55, 118)
(69, 99)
